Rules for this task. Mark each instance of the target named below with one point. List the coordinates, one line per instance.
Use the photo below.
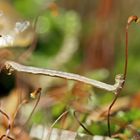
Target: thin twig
(17, 110)
(81, 124)
(9, 123)
(126, 53)
(117, 93)
(6, 137)
(63, 114)
(129, 21)
(37, 101)
(13, 66)
(49, 131)
(108, 114)
(38, 93)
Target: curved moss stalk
(129, 21)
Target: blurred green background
(99, 27)
(85, 37)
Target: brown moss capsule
(35, 93)
(131, 19)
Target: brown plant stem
(108, 114)
(9, 123)
(38, 93)
(17, 110)
(49, 131)
(129, 21)
(3, 136)
(81, 124)
(63, 114)
(37, 101)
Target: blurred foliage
(85, 37)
